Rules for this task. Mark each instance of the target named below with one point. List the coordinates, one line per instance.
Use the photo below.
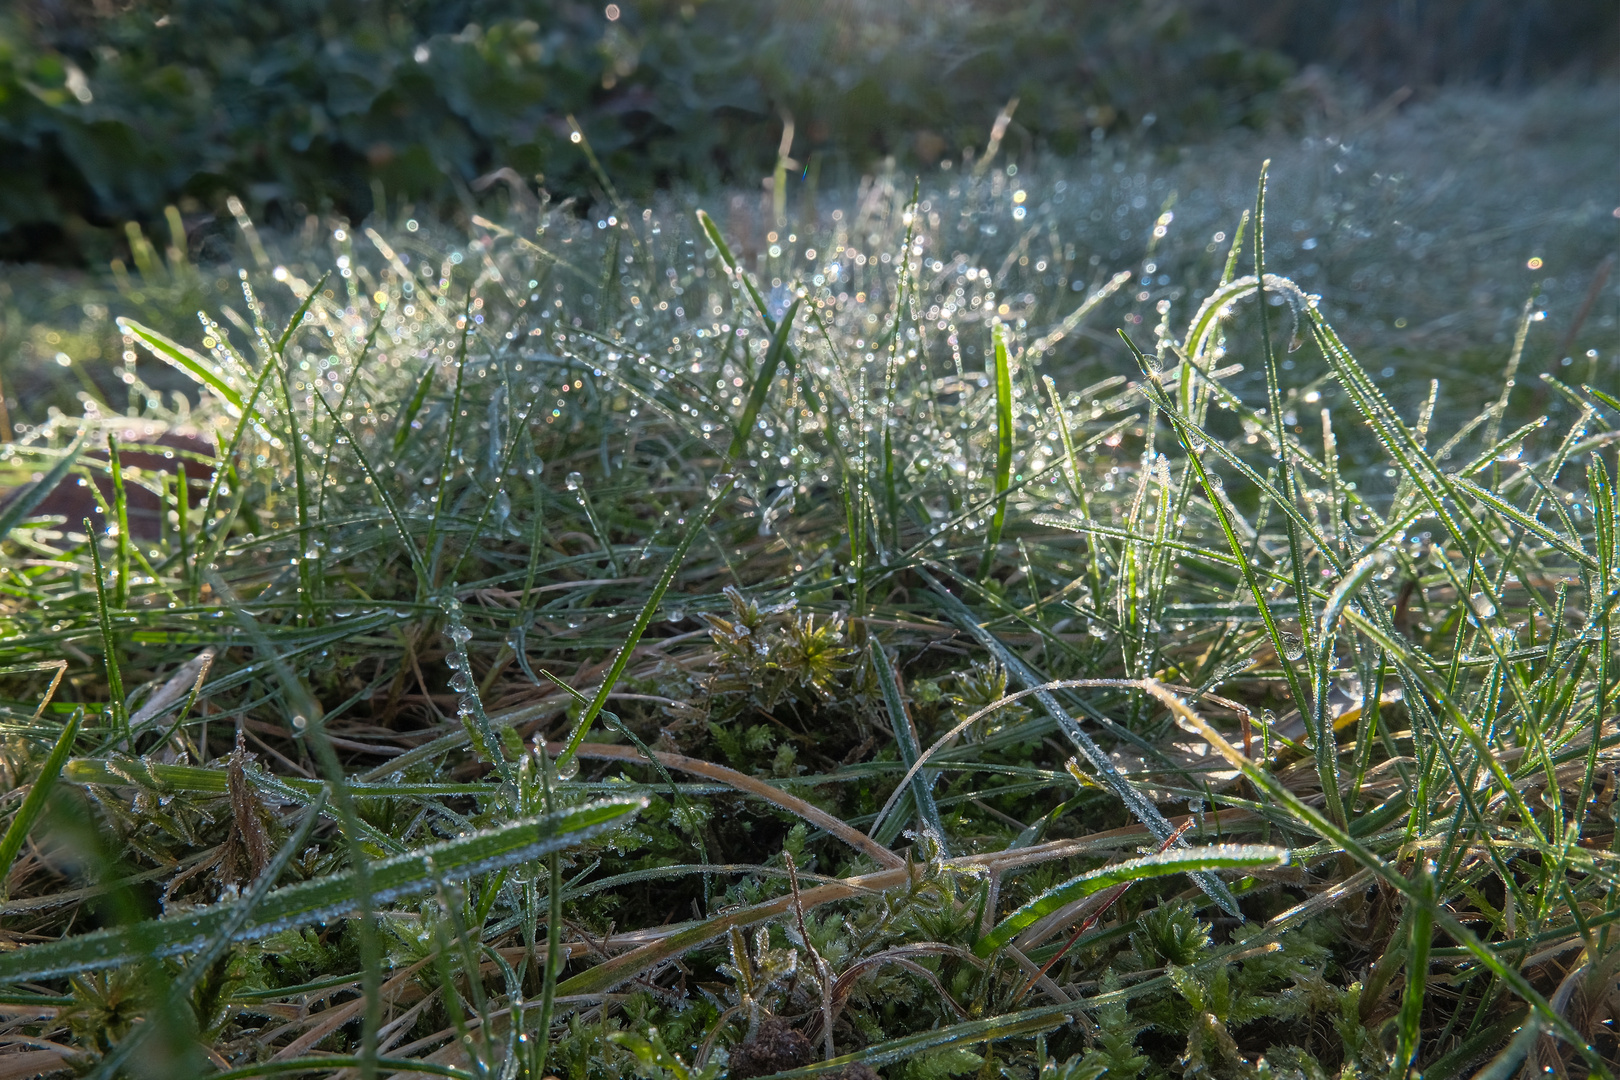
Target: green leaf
(322, 898)
(1186, 860)
(178, 356)
(24, 503)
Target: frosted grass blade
(1139, 805)
(1004, 447)
(1184, 860)
(183, 359)
(699, 521)
(762, 383)
(296, 905)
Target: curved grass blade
(391, 879)
(414, 406)
(905, 737)
(34, 801)
(30, 497)
(712, 231)
(1185, 860)
(178, 356)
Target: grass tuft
(663, 644)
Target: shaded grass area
(764, 644)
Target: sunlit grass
(912, 632)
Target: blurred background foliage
(113, 110)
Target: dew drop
(574, 481)
(1293, 645)
(1483, 606)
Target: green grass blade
(762, 384)
(392, 879)
(1004, 447)
(1417, 972)
(905, 738)
(23, 503)
(34, 802)
(712, 231)
(178, 356)
(1185, 860)
(699, 521)
(109, 639)
(413, 407)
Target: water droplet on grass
(1293, 645)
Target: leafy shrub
(309, 104)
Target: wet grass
(678, 643)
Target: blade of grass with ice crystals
(1137, 804)
(115, 467)
(34, 801)
(712, 231)
(905, 738)
(1285, 470)
(1326, 757)
(1184, 860)
(392, 879)
(762, 384)
(30, 497)
(697, 524)
(441, 497)
(1421, 937)
(178, 356)
(109, 640)
(1004, 446)
(414, 406)
(221, 527)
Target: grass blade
(34, 802)
(762, 384)
(1186, 860)
(178, 356)
(697, 524)
(905, 737)
(1135, 802)
(1004, 447)
(392, 879)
